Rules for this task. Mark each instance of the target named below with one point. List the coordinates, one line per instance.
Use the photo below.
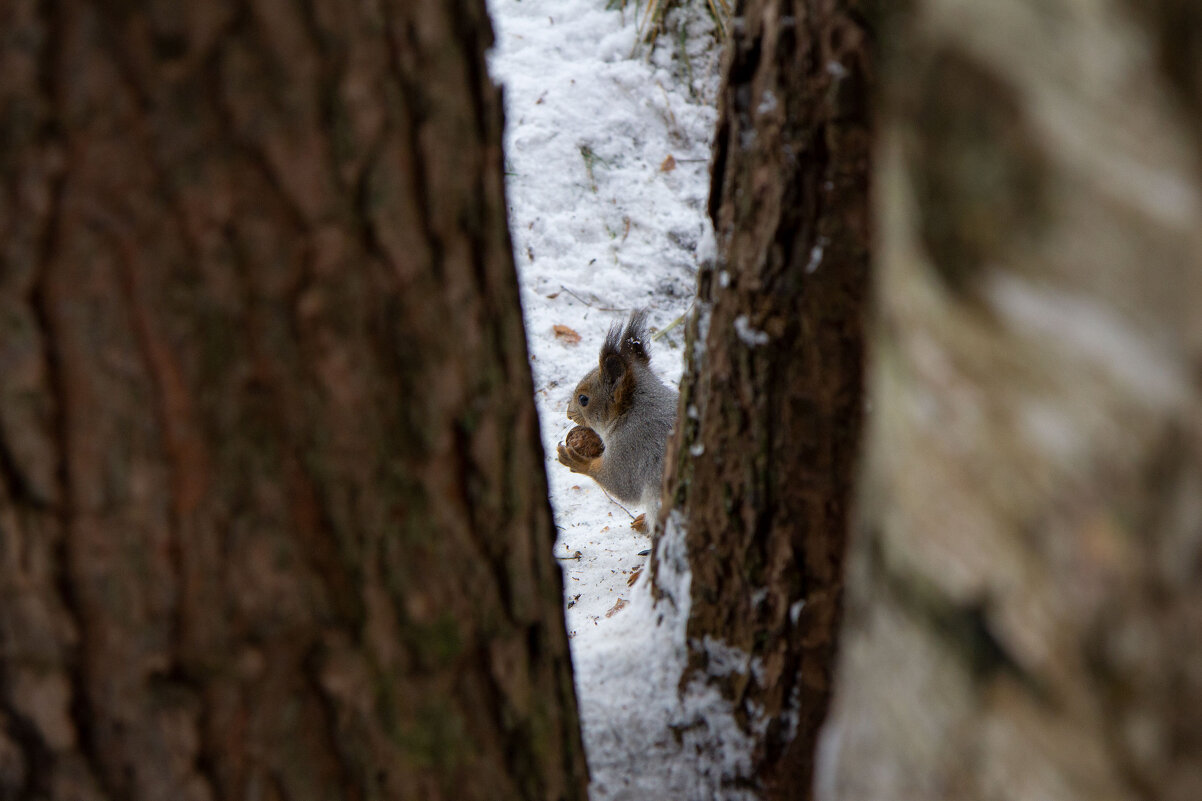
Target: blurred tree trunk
(759, 475)
(272, 517)
(1025, 587)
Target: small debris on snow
(565, 334)
(617, 607)
(668, 164)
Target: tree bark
(1025, 590)
(272, 517)
(759, 474)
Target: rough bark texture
(1025, 591)
(272, 517)
(759, 474)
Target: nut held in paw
(585, 441)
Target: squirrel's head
(607, 392)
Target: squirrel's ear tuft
(611, 355)
(634, 338)
(613, 367)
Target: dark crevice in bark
(332, 63)
(342, 581)
(241, 29)
(331, 58)
(18, 487)
(1176, 31)
(414, 101)
(515, 733)
(119, 53)
(40, 760)
(350, 775)
(36, 755)
(77, 667)
(42, 302)
(361, 204)
(175, 431)
(108, 40)
(717, 182)
(261, 164)
(39, 301)
(468, 28)
(481, 533)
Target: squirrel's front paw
(576, 461)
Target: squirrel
(632, 411)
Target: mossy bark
(273, 521)
(1024, 585)
(759, 474)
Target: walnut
(586, 442)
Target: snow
(816, 255)
(607, 152)
(748, 335)
(836, 69)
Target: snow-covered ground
(607, 152)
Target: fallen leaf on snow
(668, 164)
(618, 607)
(634, 576)
(566, 334)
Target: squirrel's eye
(583, 399)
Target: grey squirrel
(631, 410)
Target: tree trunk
(272, 517)
(1026, 578)
(759, 475)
